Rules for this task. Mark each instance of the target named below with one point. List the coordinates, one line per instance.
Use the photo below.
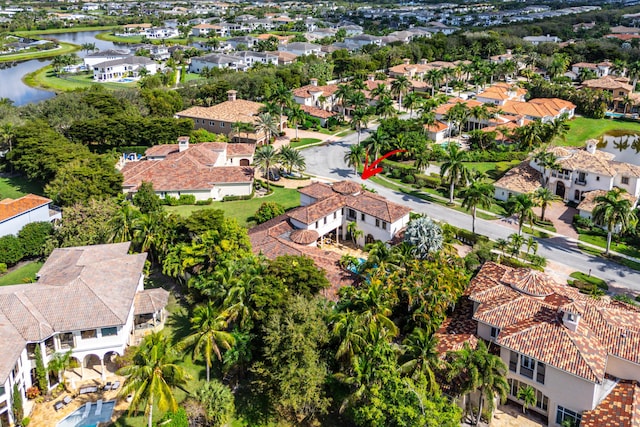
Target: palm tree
(343, 94)
(411, 101)
(296, 115)
(359, 119)
(516, 241)
(266, 124)
(433, 77)
(453, 167)
(59, 363)
(399, 87)
(291, 159)
(236, 129)
(355, 156)
(265, 157)
(521, 205)
(385, 108)
(86, 47)
(532, 245)
(547, 161)
(208, 334)
(152, 376)
(379, 91)
(421, 355)
(357, 100)
(422, 158)
(528, 396)
(543, 197)
(477, 194)
(123, 223)
(282, 96)
(376, 143)
(614, 211)
(354, 231)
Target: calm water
(11, 85)
(626, 147)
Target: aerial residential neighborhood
(319, 214)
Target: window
(91, 333)
(325, 220)
(2, 390)
(625, 180)
(542, 401)
(384, 225)
(540, 373)
(565, 414)
(597, 178)
(317, 224)
(351, 214)
(66, 340)
(211, 123)
(362, 216)
(335, 215)
(221, 124)
(494, 332)
(109, 332)
(513, 361)
(527, 365)
(377, 223)
(571, 317)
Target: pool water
(78, 418)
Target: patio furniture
(116, 385)
(87, 390)
(107, 386)
(98, 407)
(87, 409)
(58, 406)
(67, 400)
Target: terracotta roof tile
(520, 179)
(621, 408)
(239, 110)
(317, 190)
(308, 91)
(317, 112)
(10, 207)
(589, 202)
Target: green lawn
(583, 128)
(344, 133)
(622, 261)
(17, 187)
(494, 170)
(138, 39)
(601, 241)
(63, 49)
(243, 210)
(304, 141)
(45, 78)
(591, 280)
(63, 30)
(24, 274)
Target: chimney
(231, 95)
(423, 61)
(571, 319)
(183, 143)
(314, 82)
(406, 61)
(591, 146)
(508, 51)
(371, 77)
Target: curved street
(327, 161)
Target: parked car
(274, 175)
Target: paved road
(328, 162)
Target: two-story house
(210, 170)
(301, 48)
(117, 69)
(88, 300)
(573, 350)
(318, 97)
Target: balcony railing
(579, 182)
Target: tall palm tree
(208, 334)
(614, 211)
(282, 96)
(528, 396)
(355, 157)
(547, 161)
(59, 363)
(399, 87)
(265, 157)
(359, 120)
(376, 143)
(267, 125)
(385, 108)
(411, 101)
(123, 223)
(543, 197)
(236, 129)
(379, 91)
(357, 100)
(421, 355)
(296, 116)
(152, 376)
(434, 78)
(291, 159)
(343, 94)
(521, 205)
(454, 168)
(477, 194)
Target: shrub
(187, 199)
(33, 237)
(419, 183)
(204, 202)
(3, 267)
(26, 421)
(267, 211)
(33, 392)
(472, 261)
(626, 299)
(582, 222)
(408, 179)
(233, 198)
(175, 419)
(11, 250)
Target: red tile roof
(621, 408)
(10, 207)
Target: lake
(624, 146)
(13, 87)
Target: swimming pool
(87, 417)
(614, 115)
(127, 80)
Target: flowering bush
(33, 392)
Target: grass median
(63, 49)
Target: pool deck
(44, 415)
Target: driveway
(562, 217)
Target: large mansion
(210, 170)
(580, 354)
(88, 300)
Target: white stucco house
(88, 300)
(210, 170)
(301, 48)
(586, 170)
(579, 354)
(15, 214)
(105, 55)
(117, 69)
